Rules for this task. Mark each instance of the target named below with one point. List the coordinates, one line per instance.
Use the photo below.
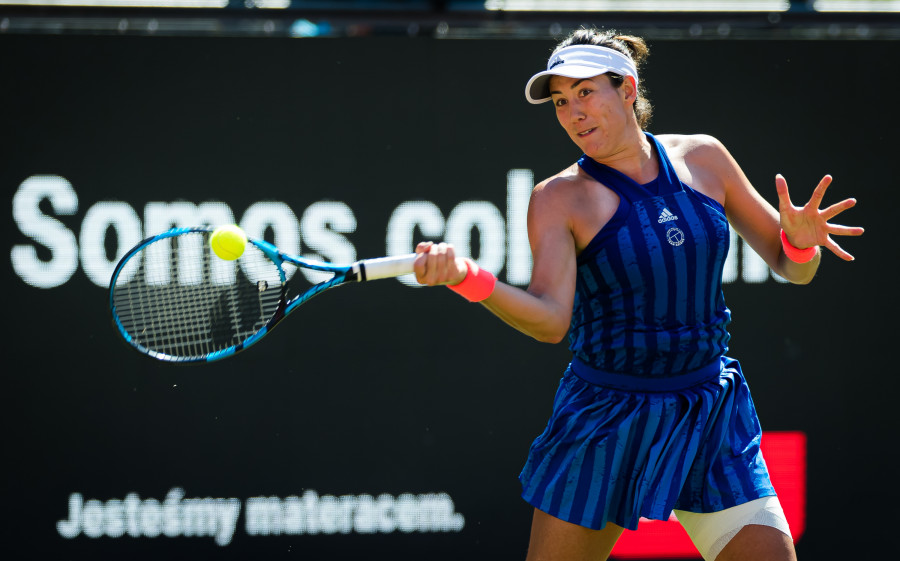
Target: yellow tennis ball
(228, 242)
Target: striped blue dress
(651, 415)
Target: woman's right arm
(544, 310)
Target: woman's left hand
(808, 225)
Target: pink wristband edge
(477, 285)
(796, 254)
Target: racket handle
(384, 267)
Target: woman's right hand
(809, 225)
(438, 264)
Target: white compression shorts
(712, 531)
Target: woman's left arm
(760, 224)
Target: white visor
(579, 61)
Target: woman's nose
(577, 111)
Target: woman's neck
(635, 158)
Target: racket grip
(384, 267)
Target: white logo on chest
(666, 216)
(674, 235)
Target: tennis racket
(173, 299)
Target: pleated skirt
(609, 455)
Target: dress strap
(627, 189)
(668, 179)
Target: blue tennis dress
(651, 415)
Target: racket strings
(183, 301)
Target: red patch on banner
(785, 454)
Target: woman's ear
(629, 86)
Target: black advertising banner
(386, 420)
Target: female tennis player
(628, 246)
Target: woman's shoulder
(702, 161)
(690, 143)
(574, 200)
(568, 191)
(694, 148)
(563, 183)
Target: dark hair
(634, 47)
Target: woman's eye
(584, 92)
(560, 102)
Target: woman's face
(592, 111)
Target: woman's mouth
(587, 132)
